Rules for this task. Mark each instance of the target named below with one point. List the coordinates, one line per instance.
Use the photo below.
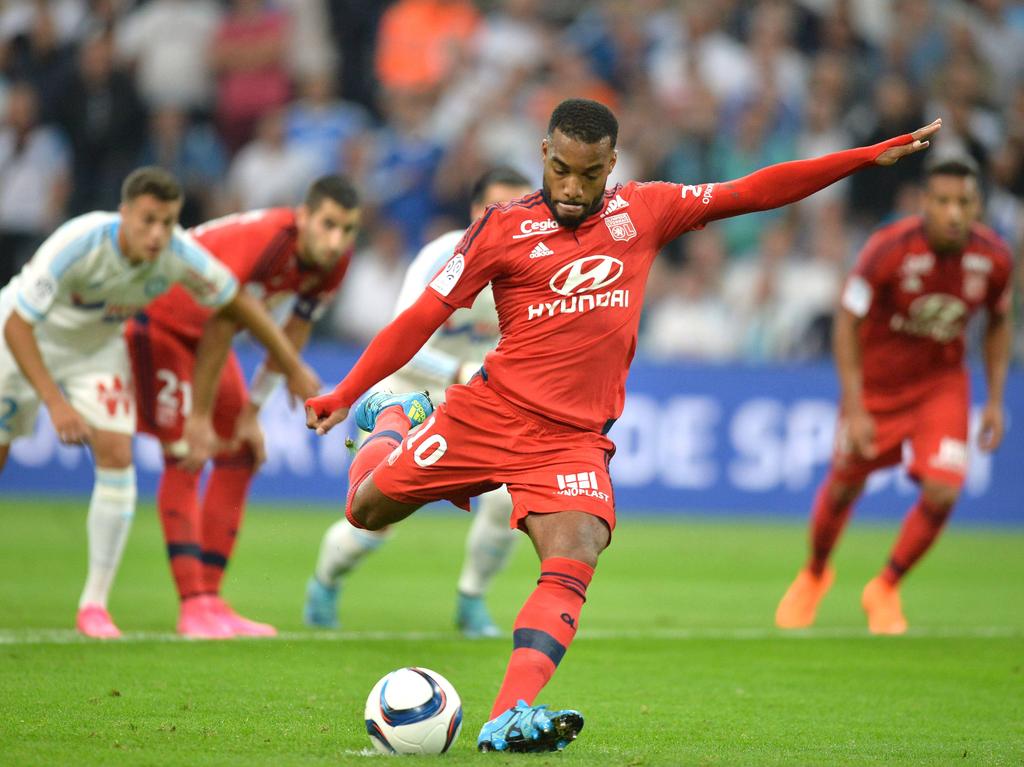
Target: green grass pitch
(676, 662)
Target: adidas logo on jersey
(541, 250)
(616, 204)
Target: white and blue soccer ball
(413, 711)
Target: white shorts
(97, 384)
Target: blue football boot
(530, 728)
(321, 610)
(416, 405)
(472, 618)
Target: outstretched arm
(787, 182)
(388, 351)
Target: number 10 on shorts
(430, 450)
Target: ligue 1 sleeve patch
(446, 279)
(41, 290)
(857, 296)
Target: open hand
(990, 433)
(69, 424)
(921, 141)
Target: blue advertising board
(724, 439)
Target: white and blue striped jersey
(78, 288)
(462, 341)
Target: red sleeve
(1000, 292)
(473, 264)
(684, 207)
(390, 349)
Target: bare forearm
(249, 313)
(297, 331)
(847, 354)
(21, 340)
(213, 349)
(996, 353)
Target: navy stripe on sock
(542, 641)
(564, 576)
(897, 568)
(213, 558)
(567, 585)
(184, 550)
(392, 435)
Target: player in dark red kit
(899, 347)
(276, 254)
(568, 265)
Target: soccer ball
(413, 711)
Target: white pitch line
(69, 636)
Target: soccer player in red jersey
(568, 265)
(899, 347)
(276, 254)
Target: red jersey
(260, 247)
(915, 304)
(569, 300)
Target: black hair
(338, 188)
(153, 181)
(584, 120)
(963, 166)
(501, 174)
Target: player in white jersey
(62, 319)
(452, 355)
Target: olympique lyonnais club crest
(621, 227)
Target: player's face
(327, 233)
(147, 224)
(496, 194)
(575, 174)
(951, 205)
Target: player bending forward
(568, 265)
(452, 355)
(63, 318)
(276, 254)
(899, 347)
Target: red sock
(391, 428)
(827, 521)
(544, 629)
(223, 506)
(177, 501)
(920, 529)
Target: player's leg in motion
(343, 547)
(568, 544)
(921, 526)
(833, 504)
(388, 418)
(111, 510)
(488, 544)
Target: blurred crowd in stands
(248, 100)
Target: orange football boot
(881, 602)
(799, 604)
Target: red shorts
(162, 366)
(476, 441)
(935, 427)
